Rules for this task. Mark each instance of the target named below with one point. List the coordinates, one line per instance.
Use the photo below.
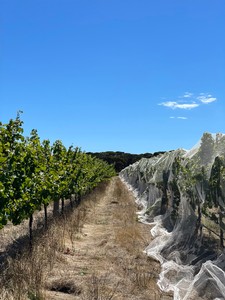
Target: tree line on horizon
(121, 160)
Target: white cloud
(189, 101)
(183, 118)
(174, 105)
(206, 99)
(187, 95)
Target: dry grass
(23, 276)
(24, 272)
(64, 285)
(93, 253)
(99, 288)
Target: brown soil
(104, 260)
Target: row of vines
(201, 180)
(34, 173)
(179, 184)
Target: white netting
(183, 196)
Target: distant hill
(121, 160)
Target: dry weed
(129, 238)
(100, 287)
(74, 223)
(6, 295)
(64, 285)
(24, 276)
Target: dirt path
(105, 259)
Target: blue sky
(123, 75)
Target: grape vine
(33, 174)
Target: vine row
(34, 173)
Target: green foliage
(33, 174)
(206, 148)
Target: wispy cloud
(175, 104)
(206, 99)
(187, 95)
(189, 101)
(182, 118)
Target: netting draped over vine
(183, 195)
